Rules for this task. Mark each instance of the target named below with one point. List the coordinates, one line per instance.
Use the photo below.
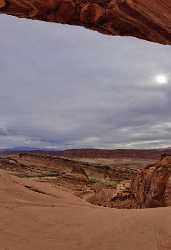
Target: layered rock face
(150, 20)
(152, 185)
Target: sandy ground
(36, 216)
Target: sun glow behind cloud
(162, 79)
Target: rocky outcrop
(150, 20)
(152, 185)
(116, 197)
(123, 191)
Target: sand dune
(37, 216)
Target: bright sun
(161, 79)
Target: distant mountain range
(95, 153)
(18, 149)
(116, 153)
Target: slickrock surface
(39, 217)
(150, 20)
(152, 185)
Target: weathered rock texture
(152, 185)
(150, 20)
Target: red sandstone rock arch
(145, 19)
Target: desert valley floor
(37, 211)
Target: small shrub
(92, 180)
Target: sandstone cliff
(152, 185)
(150, 20)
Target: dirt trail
(43, 218)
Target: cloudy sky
(67, 87)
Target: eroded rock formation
(150, 20)
(152, 185)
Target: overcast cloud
(67, 87)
